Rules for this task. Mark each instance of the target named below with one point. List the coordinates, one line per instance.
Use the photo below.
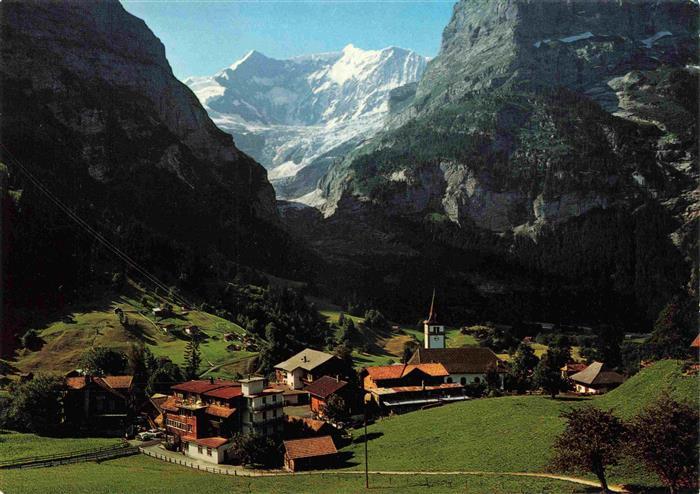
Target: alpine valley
(543, 167)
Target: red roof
(325, 386)
(218, 411)
(202, 386)
(310, 447)
(398, 371)
(225, 393)
(696, 342)
(209, 442)
(113, 384)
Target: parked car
(148, 436)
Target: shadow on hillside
(344, 460)
(370, 436)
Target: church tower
(433, 333)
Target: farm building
(98, 402)
(309, 454)
(595, 379)
(464, 365)
(323, 388)
(405, 387)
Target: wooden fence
(95, 454)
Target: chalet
(595, 379)
(307, 366)
(465, 365)
(98, 401)
(309, 454)
(201, 416)
(404, 387)
(323, 388)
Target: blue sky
(202, 37)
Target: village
(306, 406)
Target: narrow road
(173, 457)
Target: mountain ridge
(303, 112)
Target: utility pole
(366, 398)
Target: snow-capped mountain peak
(340, 95)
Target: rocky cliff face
(297, 116)
(65, 53)
(91, 108)
(540, 122)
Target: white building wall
(293, 379)
(191, 450)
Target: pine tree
(193, 359)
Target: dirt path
(172, 457)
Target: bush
(256, 450)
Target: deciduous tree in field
(547, 374)
(336, 409)
(664, 436)
(103, 361)
(591, 441)
(37, 405)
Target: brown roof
(313, 424)
(595, 374)
(210, 442)
(218, 411)
(170, 404)
(310, 447)
(696, 342)
(464, 360)
(225, 393)
(397, 371)
(202, 386)
(118, 382)
(325, 386)
(80, 382)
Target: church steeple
(433, 333)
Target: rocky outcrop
(91, 108)
(540, 122)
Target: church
(465, 365)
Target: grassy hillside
(497, 434)
(149, 476)
(646, 386)
(94, 323)
(509, 433)
(16, 445)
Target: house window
(264, 400)
(199, 449)
(208, 451)
(264, 415)
(448, 380)
(462, 381)
(477, 380)
(274, 398)
(187, 446)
